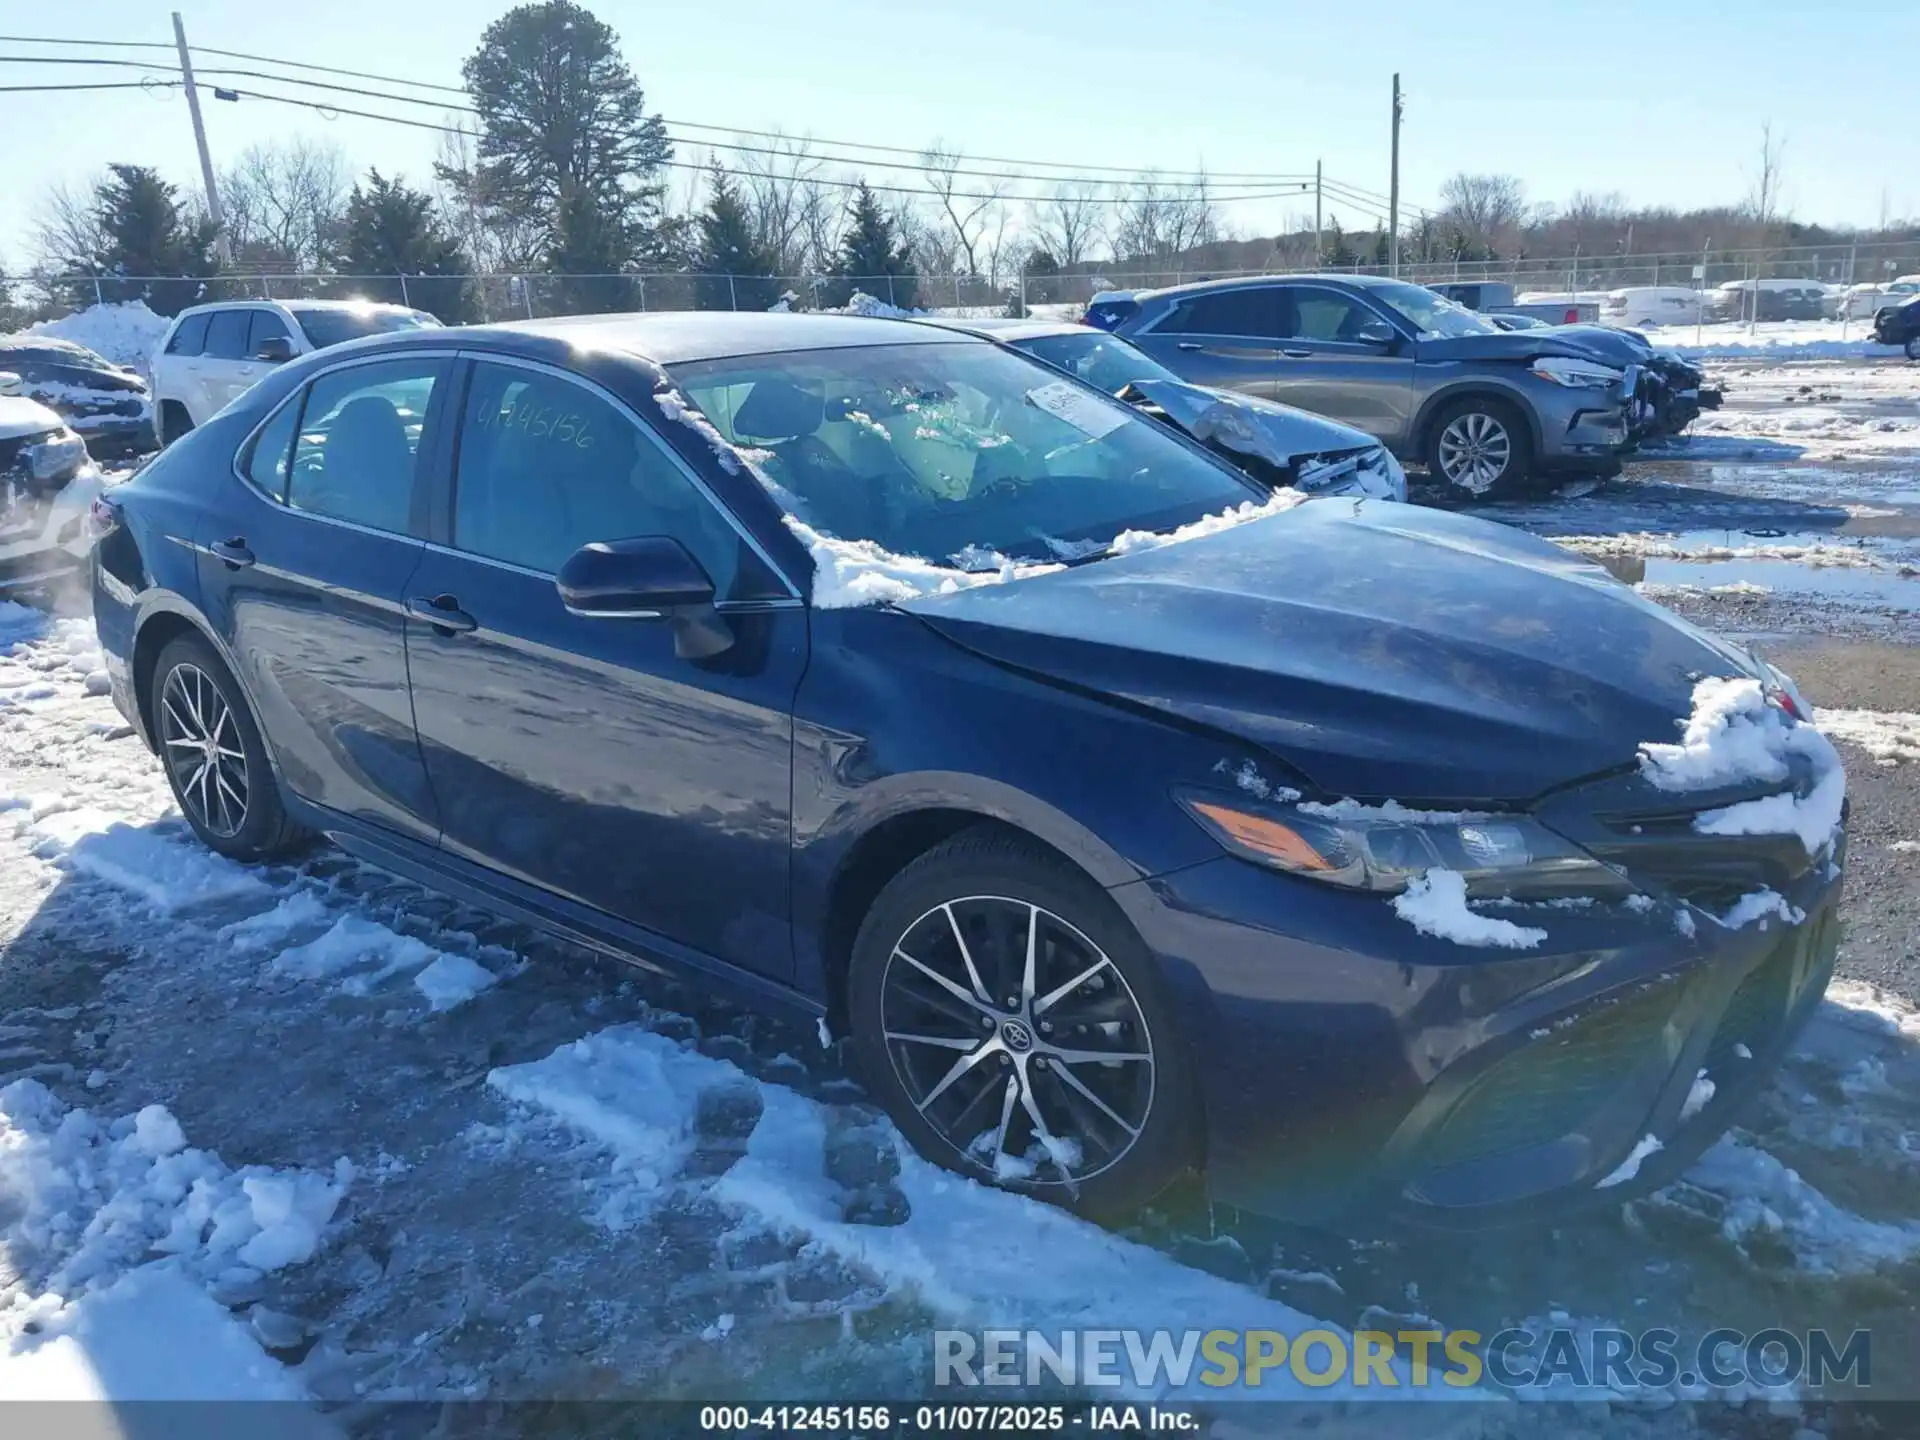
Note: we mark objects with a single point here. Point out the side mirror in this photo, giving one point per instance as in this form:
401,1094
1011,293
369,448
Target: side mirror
275,350
651,577
11,384
1377,332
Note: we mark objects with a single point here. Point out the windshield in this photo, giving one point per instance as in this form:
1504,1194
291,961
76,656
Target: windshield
1105,362
952,452
333,327
1432,314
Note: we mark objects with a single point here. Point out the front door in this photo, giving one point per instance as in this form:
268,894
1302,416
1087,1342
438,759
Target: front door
1228,339
583,755
226,368
1327,368
303,574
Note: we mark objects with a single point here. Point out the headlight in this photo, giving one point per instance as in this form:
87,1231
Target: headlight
1381,848
60,454
1576,374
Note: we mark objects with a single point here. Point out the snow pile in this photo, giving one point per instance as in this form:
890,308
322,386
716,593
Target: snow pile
1761,906
848,573
1765,1198
452,980
1658,547
363,954
1130,542
1776,340
1436,904
169,875
86,1201
1736,734
126,333
1630,1167
1890,736
964,1250
861,303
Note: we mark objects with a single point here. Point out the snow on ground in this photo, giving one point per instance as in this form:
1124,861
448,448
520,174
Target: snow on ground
1772,340
1890,737
126,333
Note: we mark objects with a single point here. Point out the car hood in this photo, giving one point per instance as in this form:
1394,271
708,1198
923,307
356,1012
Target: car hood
1577,342
1381,651
1263,430
21,416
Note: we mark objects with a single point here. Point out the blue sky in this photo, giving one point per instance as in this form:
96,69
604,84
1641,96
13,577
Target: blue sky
1663,102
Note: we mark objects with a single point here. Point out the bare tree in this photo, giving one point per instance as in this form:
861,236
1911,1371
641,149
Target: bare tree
285,202
966,202
1162,220
1594,223
66,226
1485,212
1071,222
1764,199
779,174
930,240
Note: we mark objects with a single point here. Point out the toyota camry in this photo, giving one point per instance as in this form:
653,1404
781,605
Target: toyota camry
1131,818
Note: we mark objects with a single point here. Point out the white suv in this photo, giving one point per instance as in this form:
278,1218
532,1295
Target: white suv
213,353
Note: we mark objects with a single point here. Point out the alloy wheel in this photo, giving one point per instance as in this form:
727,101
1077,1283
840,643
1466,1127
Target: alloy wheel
1475,451
201,743
1018,1040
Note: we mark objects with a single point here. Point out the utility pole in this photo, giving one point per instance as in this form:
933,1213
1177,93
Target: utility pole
1393,188
220,245
1318,251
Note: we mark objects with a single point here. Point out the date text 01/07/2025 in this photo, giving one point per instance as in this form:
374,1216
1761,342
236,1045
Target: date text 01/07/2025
880,1419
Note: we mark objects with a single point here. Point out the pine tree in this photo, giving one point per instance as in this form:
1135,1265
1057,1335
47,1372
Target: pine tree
1335,252
872,256
735,271
591,253
1041,273
144,234
391,230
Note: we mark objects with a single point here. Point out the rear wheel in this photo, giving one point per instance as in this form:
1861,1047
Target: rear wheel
1479,447
215,761
1913,347
174,422
1017,1030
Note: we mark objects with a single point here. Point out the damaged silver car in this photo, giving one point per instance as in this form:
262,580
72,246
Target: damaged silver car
1270,442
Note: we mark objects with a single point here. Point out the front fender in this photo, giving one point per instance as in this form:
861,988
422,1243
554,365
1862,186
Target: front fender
1509,389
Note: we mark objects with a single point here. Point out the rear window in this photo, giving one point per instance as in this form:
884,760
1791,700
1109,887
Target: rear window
190,336
335,327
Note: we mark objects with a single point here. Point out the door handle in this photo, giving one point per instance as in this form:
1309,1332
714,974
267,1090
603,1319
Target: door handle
1187,345
1296,354
233,552
443,612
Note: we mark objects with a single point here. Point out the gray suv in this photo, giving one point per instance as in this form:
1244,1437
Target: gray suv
1483,408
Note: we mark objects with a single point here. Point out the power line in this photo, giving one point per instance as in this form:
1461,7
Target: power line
110,44
150,84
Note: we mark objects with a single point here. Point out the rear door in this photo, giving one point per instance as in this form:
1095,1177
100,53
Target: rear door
177,373
1325,366
580,754
304,575
1228,339
224,370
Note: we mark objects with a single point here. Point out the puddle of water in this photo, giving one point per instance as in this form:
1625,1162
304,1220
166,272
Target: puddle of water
1880,587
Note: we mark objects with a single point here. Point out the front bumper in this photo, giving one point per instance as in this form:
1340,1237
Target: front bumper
1358,1072
46,538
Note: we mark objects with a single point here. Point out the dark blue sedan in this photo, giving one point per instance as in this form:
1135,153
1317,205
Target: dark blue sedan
883,675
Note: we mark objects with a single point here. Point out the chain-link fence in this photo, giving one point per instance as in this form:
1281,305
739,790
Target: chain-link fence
493,296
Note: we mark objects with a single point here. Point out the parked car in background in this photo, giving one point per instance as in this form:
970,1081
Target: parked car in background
214,353
1769,300
1900,325
1274,444
1095,866
1491,297
1863,302
107,405
47,485
1484,409
1653,305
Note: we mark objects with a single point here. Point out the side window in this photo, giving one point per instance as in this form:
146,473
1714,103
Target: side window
359,435
265,326
1257,313
547,466
191,336
227,335
266,462
1327,315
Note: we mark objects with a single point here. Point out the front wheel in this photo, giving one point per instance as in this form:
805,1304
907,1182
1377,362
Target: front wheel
1479,448
1913,347
215,760
1017,1030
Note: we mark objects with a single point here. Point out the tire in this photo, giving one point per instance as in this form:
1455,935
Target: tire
1102,1137
174,422
1913,347
228,792
1468,436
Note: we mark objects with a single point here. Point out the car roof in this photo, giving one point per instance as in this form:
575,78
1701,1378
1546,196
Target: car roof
1238,282
676,337
296,304
1005,327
